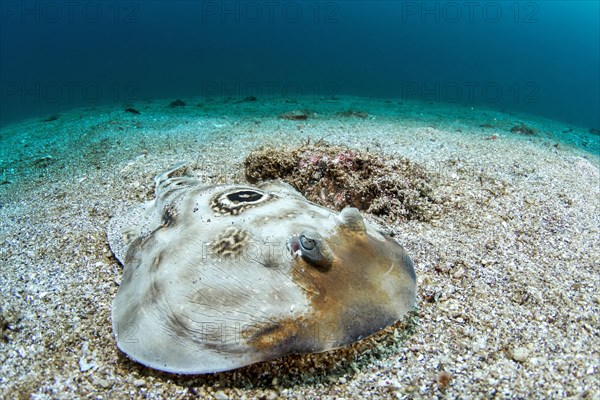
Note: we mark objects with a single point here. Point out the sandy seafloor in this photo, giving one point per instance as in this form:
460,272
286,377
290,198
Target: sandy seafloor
508,275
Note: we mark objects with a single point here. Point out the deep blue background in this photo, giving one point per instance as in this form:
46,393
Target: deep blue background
539,57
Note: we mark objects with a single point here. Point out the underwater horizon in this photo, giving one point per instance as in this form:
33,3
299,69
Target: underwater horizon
539,58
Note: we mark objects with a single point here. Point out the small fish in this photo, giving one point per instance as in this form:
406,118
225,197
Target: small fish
219,277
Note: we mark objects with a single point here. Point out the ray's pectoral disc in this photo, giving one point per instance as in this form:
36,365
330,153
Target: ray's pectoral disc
219,277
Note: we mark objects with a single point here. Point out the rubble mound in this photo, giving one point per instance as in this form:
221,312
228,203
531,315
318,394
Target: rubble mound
390,187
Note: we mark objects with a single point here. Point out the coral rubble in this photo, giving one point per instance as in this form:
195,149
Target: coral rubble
391,187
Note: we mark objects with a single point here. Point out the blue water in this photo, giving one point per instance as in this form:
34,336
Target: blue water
535,57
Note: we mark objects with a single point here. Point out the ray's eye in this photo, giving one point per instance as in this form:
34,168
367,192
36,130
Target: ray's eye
315,251
307,243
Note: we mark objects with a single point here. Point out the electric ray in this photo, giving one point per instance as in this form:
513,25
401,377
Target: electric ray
219,277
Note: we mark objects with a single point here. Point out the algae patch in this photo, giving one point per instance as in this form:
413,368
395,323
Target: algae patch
392,187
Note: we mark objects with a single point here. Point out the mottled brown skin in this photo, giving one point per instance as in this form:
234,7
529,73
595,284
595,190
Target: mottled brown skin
347,298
